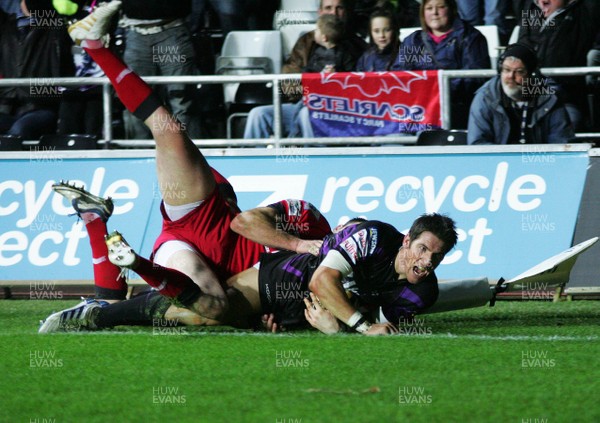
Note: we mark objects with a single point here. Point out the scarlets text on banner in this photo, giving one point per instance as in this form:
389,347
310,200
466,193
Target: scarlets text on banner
372,103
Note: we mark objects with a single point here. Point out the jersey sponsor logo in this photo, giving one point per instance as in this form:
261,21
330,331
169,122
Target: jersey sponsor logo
349,246
356,245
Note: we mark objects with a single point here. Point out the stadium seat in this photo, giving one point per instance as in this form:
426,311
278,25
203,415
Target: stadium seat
514,36
11,143
442,137
405,32
254,44
247,97
290,34
312,5
490,32
68,142
236,125
294,17
248,53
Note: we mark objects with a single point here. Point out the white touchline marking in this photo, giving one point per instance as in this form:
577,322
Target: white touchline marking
550,338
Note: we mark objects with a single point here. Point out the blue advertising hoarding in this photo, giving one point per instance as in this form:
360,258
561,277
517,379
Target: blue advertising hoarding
514,207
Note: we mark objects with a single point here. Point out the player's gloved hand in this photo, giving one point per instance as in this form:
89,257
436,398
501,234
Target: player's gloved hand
381,329
318,317
309,246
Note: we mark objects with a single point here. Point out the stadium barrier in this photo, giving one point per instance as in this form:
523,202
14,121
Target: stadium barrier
515,205
276,79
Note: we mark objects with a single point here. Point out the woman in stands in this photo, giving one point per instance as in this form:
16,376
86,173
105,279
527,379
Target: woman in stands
446,42
383,44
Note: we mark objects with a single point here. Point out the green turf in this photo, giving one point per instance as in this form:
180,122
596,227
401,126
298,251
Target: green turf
470,369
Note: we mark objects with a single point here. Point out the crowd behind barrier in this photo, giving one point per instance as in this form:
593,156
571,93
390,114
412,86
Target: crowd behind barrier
108,141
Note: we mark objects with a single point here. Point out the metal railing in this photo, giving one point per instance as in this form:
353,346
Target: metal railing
275,79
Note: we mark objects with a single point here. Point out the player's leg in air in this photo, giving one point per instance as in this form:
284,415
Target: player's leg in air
184,177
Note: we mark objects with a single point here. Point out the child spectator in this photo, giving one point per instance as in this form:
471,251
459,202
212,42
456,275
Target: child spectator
383,43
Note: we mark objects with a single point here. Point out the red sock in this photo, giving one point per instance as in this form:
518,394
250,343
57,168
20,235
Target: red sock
109,285
169,282
135,94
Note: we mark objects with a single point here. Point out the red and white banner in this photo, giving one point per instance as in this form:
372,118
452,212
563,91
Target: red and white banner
372,103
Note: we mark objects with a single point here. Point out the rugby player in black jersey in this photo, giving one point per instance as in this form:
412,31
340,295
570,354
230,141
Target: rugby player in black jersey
381,266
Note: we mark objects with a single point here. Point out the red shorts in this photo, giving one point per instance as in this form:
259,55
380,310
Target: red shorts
207,229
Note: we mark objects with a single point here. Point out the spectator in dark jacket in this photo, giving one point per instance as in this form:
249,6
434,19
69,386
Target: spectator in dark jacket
446,42
383,43
34,44
517,107
329,54
562,32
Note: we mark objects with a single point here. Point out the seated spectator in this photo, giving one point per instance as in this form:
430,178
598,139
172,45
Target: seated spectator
34,44
329,55
294,116
383,43
562,32
446,42
405,12
516,107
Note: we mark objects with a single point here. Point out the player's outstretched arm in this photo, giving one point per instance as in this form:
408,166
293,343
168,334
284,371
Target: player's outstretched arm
326,283
261,225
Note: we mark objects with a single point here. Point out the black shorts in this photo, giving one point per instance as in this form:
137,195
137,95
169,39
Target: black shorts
283,285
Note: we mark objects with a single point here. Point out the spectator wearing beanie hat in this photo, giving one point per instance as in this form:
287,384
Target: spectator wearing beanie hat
517,106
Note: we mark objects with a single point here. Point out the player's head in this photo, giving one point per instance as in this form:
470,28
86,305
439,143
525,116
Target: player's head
429,239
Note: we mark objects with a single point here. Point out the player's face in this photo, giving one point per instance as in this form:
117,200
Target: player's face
381,32
550,6
333,7
436,14
419,257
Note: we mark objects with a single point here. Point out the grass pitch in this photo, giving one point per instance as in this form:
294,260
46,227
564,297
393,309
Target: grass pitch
516,362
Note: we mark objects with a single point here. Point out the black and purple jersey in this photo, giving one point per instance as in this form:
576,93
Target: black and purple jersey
370,248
